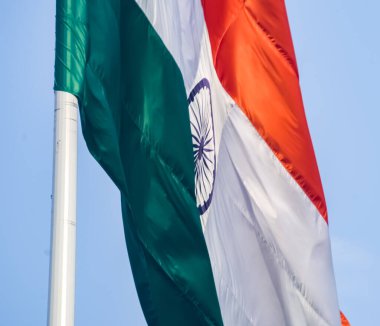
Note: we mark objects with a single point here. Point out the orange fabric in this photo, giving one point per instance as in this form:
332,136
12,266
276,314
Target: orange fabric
344,320
254,58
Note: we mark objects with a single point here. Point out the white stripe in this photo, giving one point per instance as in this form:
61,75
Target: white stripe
181,26
268,245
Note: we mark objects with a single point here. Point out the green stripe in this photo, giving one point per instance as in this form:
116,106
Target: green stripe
70,45
136,124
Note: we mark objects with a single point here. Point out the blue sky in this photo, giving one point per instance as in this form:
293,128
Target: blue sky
339,64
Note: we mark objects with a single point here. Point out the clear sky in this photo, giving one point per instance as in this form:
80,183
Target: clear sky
337,46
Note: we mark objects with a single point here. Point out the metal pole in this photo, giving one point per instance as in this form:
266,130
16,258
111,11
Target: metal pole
63,233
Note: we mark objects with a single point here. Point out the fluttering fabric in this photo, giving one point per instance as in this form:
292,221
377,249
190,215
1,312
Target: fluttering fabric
194,109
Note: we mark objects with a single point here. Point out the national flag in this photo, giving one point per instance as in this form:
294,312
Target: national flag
194,109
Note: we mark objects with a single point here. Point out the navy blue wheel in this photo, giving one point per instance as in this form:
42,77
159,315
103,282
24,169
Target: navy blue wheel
202,131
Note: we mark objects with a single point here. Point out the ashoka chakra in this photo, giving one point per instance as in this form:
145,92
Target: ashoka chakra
202,131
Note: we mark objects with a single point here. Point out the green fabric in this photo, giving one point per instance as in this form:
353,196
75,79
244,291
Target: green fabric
135,121
70,48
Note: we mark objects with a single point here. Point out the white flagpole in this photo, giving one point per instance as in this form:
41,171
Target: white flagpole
63,232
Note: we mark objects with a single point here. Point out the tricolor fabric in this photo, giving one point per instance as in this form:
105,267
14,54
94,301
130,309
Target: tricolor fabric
194,110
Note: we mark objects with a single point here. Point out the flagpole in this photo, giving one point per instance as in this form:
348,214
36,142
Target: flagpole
63,229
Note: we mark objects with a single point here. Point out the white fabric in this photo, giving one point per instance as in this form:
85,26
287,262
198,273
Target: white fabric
181,26
268,245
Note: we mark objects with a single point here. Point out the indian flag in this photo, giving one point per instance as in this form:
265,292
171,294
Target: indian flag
194,109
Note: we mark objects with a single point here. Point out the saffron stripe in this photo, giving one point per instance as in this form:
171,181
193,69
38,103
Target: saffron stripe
254,73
